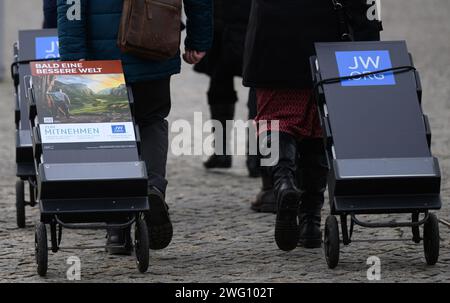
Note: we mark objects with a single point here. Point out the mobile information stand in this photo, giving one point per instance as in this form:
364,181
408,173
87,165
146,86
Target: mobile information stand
86,154
377,140
32,45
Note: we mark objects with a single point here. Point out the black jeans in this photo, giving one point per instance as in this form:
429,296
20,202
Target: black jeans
221,91
152,106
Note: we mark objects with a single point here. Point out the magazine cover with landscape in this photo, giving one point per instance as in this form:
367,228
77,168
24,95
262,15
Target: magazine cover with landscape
82,101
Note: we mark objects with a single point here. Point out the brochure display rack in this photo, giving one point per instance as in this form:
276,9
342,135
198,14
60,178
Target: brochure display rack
377,140
32,45
85,150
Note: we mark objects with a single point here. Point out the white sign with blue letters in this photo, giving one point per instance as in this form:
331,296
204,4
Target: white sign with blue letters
87,132
359,63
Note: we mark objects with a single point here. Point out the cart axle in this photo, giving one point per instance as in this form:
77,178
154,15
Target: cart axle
389,224
90,247
381,240
94,226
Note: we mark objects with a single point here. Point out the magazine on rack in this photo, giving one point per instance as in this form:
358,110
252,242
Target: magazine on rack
82,102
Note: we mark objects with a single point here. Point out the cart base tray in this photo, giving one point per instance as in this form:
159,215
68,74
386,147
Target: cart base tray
92,210
385,204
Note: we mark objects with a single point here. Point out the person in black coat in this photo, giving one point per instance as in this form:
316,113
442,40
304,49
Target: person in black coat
280,40
50,14
222,63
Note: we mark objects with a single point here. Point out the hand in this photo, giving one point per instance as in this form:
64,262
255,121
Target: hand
193,56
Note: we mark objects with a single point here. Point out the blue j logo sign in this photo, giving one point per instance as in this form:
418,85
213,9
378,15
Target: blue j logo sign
47,48
118,129
359,63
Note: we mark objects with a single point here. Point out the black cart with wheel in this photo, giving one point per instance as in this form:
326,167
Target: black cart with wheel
84,181
32,45
378,142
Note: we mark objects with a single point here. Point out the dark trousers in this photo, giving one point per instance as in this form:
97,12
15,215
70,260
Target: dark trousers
50,14
221,89
251,104
152,106
221,92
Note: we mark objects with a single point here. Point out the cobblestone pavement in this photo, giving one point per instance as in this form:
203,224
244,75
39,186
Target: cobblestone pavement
217,237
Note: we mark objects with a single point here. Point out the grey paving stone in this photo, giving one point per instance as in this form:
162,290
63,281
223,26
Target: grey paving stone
217,237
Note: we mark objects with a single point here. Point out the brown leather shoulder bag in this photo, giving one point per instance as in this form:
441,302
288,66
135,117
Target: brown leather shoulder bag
150,29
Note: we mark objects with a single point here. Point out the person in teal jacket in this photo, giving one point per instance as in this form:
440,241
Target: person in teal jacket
94,37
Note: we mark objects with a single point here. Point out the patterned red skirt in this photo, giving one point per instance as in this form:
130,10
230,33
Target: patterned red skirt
295,110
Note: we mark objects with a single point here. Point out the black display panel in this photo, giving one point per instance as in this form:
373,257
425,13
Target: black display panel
372,117
38,44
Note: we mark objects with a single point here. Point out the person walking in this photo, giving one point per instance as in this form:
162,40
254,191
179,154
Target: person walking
2,35
280,40
94,37
222,64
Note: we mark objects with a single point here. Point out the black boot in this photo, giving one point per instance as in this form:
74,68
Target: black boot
160,228
118,241
265,200
312,178
288,196
253,166
220,159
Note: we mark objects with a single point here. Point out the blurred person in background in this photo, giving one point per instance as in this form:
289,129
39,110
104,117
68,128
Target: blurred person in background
94,37
2,25
222,64
280,40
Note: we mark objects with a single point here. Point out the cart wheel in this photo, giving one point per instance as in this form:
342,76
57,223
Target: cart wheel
141,245
41,249
20,204
431,239
331,242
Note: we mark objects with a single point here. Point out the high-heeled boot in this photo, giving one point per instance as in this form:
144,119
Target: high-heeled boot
286,191
312,179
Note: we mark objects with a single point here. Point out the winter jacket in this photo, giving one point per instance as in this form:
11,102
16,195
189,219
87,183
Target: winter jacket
94,37
281,36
